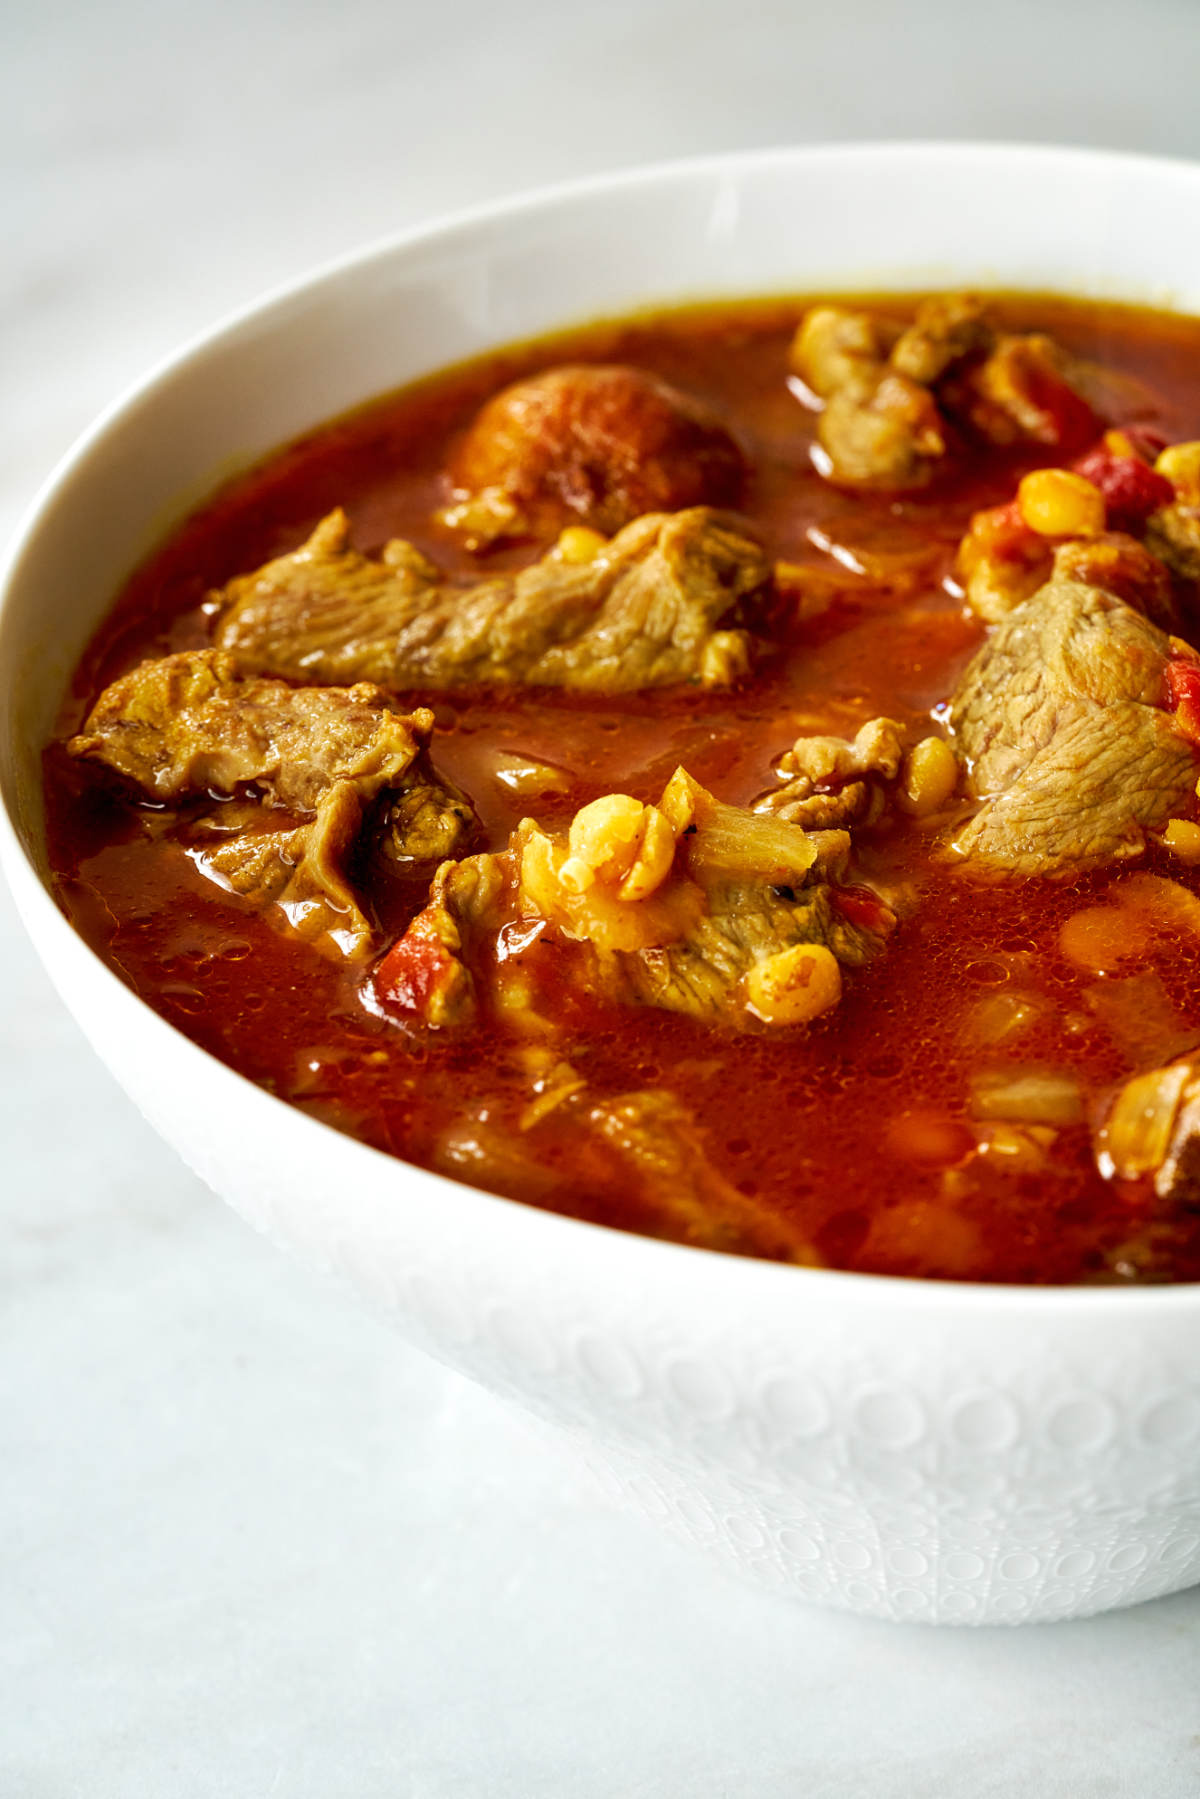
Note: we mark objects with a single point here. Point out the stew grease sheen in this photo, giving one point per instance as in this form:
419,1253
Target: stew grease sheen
944,1045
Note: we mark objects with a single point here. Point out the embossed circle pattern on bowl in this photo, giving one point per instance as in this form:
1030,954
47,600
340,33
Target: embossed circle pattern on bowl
912,1450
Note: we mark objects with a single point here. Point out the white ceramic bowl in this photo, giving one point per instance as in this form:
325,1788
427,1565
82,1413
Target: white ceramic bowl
914,1450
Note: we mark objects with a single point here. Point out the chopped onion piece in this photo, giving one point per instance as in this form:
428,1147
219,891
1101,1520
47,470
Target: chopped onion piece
1169,906
728,843
1099,939
1137,1135
1000,1017
1138,1015
524,775
1032,1096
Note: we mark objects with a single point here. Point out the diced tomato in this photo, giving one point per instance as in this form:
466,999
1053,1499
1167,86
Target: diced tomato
1001,531
1183,695
1142,440
412,971
864,908
1067,419
1131,489
1000,534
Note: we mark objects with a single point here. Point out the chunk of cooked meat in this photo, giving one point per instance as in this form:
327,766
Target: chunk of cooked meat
419,825
1026,390
1152,1131
838,783
1061,718
831,782
692,906
1173,535
1123,567
1102,521
660,1146
594,445
301,870
877,427
334,759
645,1140
895,401
188,724
945,330
655,607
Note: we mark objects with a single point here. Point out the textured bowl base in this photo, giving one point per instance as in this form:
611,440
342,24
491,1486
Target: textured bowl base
925,1571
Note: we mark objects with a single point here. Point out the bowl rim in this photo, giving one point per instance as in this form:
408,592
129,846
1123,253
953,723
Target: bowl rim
936,1297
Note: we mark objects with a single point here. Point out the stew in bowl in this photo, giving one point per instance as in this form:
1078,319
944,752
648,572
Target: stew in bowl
729,774
678,840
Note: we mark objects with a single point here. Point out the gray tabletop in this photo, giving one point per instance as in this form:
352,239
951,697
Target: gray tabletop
249,1542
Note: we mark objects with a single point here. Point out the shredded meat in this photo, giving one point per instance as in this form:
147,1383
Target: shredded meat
653,608
327,761
894,402
1072,755
594,445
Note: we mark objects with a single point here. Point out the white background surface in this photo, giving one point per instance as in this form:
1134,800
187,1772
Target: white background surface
249,1543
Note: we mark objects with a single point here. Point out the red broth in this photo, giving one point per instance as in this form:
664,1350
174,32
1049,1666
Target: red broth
858,1128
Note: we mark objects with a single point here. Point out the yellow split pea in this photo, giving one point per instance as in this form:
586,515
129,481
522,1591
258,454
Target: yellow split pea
929,776
620,843
1056,502
795,985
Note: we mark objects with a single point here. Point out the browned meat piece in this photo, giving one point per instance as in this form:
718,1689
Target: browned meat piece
829,781
597,446
835,783
878,427
328,757
1152,1131
653,608
686,1197
420,825
301,870
1173,535
1123,567
692,906
647,1140
1060,717
894,400
187,724
944,331
892,438
1027,390
1002,564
